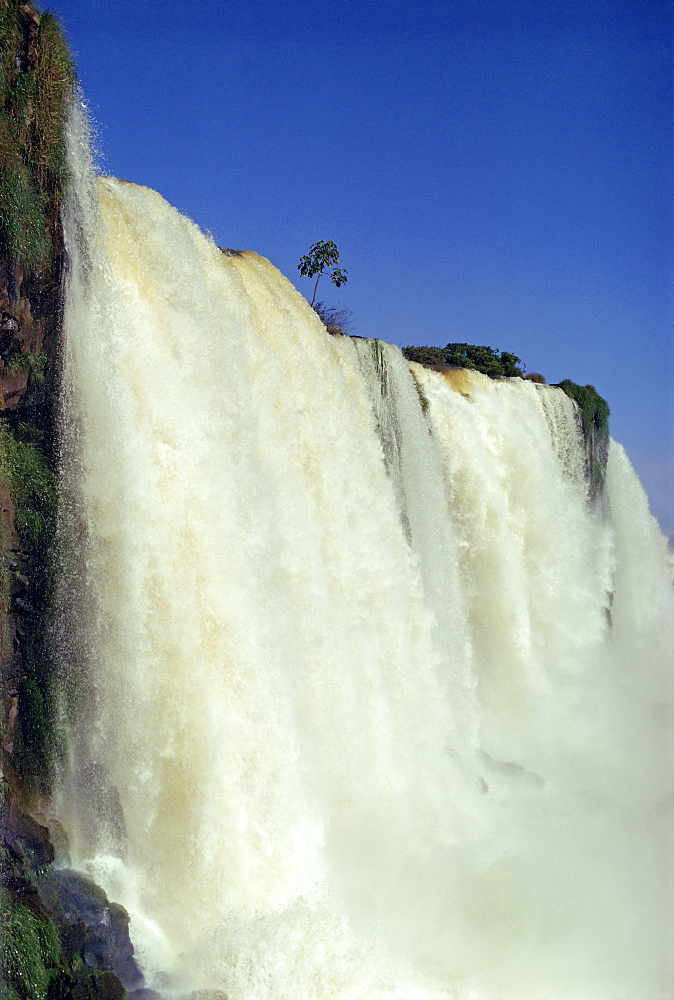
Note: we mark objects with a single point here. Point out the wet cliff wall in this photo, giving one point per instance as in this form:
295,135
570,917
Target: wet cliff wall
59,935
36,84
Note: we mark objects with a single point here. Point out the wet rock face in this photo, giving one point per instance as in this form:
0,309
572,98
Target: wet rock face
62,938
36,86
91,956
28,304
27,840
91,927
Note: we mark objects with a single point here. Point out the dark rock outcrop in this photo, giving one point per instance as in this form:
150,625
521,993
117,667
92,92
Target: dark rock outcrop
61,932
91,928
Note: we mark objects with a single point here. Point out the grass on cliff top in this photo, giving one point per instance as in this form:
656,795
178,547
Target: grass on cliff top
37,76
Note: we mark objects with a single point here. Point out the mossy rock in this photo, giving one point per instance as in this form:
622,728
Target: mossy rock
32,488
90,985
30,958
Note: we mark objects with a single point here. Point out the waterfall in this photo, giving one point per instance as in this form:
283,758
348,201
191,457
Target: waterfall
368,698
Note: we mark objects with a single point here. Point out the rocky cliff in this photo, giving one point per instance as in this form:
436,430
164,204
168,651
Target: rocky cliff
61,937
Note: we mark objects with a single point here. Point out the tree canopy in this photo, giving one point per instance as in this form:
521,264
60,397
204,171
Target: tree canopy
321,255
482,359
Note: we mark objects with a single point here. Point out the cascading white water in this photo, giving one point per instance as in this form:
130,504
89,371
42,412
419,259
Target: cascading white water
375,702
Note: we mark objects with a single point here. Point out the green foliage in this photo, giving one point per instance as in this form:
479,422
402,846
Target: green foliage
425,355
7,992
30,953
34,364
594,414
32,487
36,80
23,221
481,359
535,377
321,255
334,320
594,410
41,743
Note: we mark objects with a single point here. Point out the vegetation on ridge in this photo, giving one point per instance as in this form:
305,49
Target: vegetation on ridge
594,410
594,413
334,320
478,358
37,75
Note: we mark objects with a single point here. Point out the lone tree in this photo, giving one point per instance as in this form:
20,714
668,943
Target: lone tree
321,255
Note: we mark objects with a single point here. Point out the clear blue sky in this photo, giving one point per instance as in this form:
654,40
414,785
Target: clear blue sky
493,171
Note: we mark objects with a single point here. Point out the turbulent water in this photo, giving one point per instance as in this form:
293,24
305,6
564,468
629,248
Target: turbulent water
371,701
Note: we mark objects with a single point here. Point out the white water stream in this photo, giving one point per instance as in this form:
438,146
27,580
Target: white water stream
372,702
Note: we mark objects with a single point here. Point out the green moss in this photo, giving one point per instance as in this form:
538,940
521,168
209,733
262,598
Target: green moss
40,741
37,77
5,797
36,83
7,992
23,221
11,36
594,410
28,432
32,487
30,954
34,364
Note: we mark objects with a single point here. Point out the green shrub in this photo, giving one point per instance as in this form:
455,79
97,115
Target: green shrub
34,364
594,410
32,487
37,79
425,355
334,320
594,414
478,358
